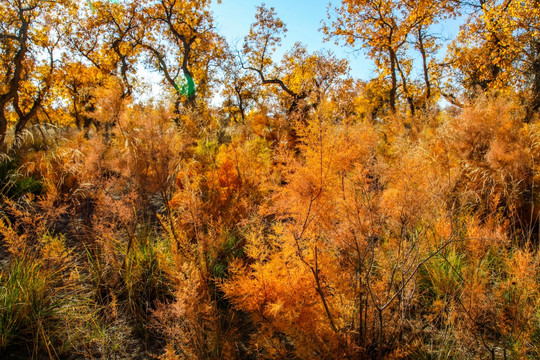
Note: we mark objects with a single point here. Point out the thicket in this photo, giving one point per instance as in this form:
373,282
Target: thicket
362,240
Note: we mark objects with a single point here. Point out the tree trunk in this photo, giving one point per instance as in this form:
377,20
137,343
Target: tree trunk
3,130
410,99
424,66
535,101
393,89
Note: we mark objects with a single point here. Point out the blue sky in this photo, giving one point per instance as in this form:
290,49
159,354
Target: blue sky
303,20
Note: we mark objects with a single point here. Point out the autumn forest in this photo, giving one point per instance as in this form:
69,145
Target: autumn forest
265,203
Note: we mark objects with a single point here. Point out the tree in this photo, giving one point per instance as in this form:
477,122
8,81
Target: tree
120,31
385,29
183,46
78,84
498,48
473,54
422,16
240,89
314,76
260,44
379,26
302,77
105,44
30,32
